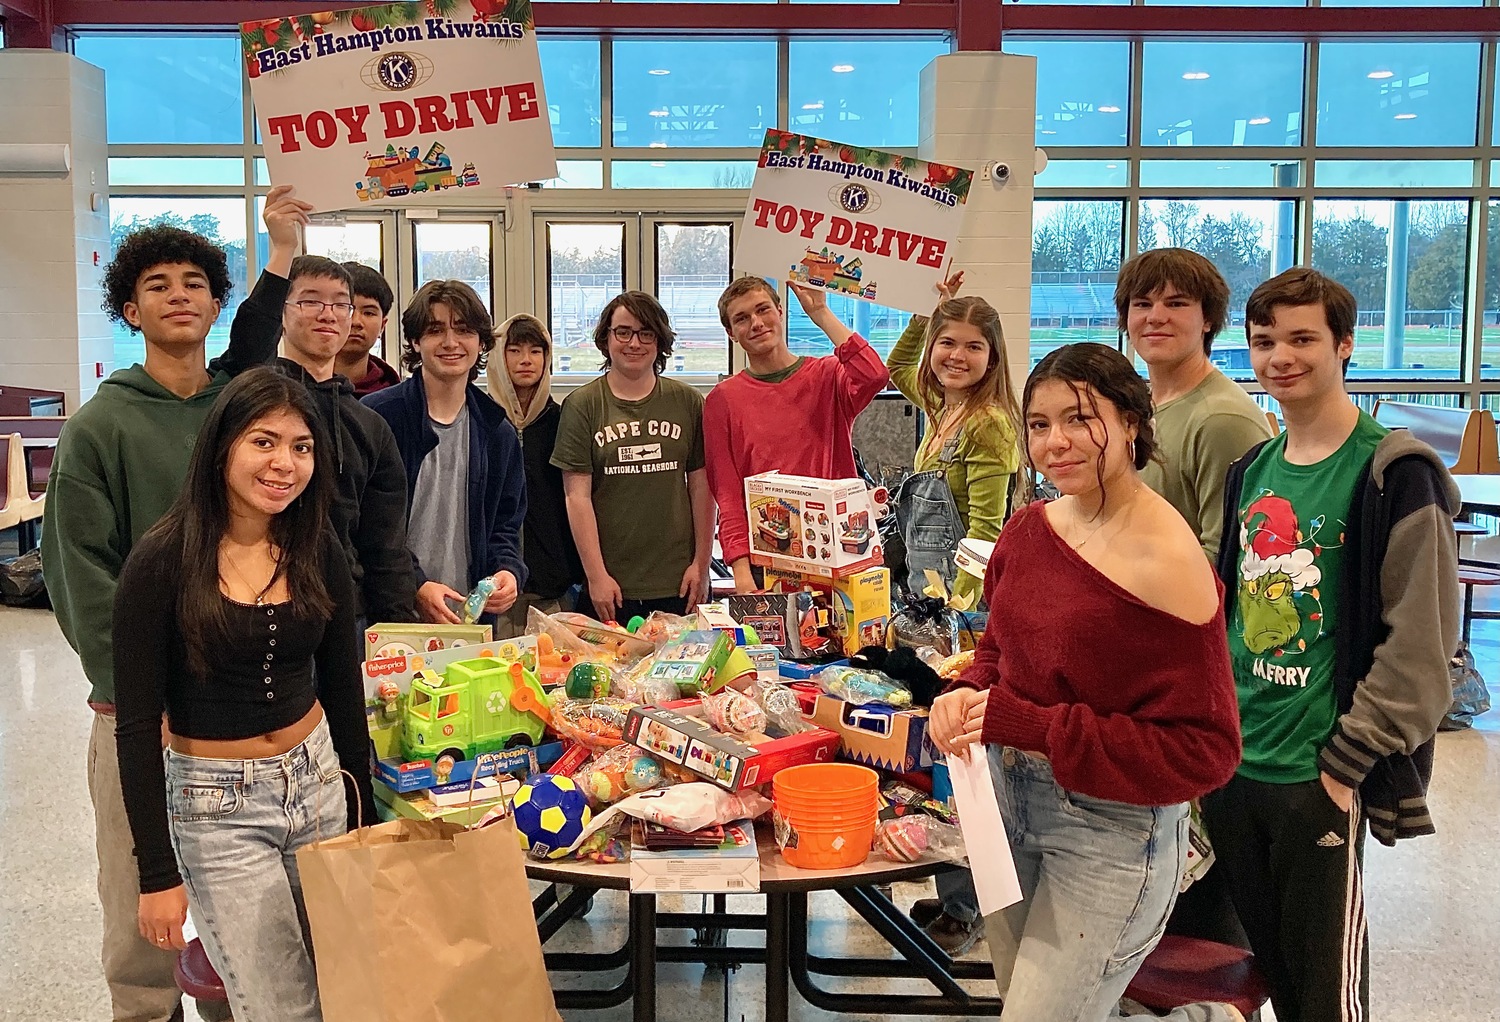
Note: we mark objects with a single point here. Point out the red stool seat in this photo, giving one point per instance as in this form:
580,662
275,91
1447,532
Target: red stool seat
1186,970
195,975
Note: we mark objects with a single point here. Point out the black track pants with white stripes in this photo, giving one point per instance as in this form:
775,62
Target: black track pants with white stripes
1294,861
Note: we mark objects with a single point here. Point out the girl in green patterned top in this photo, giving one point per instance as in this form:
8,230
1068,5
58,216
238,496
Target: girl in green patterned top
953,367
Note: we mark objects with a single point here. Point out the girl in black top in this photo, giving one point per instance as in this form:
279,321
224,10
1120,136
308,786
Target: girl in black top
224,609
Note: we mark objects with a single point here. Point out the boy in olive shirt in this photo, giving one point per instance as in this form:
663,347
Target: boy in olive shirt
1341,588
630,445
1173,303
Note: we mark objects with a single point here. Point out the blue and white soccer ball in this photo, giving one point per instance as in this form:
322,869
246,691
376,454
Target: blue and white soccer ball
550,813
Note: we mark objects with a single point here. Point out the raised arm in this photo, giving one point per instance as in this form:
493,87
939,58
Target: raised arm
256,329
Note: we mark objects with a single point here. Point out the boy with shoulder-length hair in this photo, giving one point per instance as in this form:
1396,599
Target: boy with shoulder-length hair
782,412
465,475
1340,571
369,506
357,360
121,461
1172,303
630,447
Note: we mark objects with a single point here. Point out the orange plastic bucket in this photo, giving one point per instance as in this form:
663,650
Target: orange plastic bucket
825,814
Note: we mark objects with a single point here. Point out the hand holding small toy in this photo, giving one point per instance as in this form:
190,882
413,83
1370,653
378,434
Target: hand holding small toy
504,595
432,603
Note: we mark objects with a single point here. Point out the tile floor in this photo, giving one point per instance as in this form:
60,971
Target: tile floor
1434,905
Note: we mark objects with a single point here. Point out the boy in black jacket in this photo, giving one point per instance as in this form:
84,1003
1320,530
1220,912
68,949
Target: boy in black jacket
369,508
522,383
1340,573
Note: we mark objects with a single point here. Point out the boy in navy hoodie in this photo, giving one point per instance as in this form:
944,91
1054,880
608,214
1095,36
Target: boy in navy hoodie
464,469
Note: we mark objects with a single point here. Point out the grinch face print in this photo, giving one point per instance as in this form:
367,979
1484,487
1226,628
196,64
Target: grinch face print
1281,609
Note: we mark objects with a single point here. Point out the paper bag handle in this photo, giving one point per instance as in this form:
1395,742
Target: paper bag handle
359,804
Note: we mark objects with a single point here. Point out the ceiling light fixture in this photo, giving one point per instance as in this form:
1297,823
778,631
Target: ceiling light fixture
1406,117
657,145
1260,120
659,113
1194,76
813,106
658,71
1381,74
842,68
1109,109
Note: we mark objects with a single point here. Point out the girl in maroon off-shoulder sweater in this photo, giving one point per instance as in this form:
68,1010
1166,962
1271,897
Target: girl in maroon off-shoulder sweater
1102,693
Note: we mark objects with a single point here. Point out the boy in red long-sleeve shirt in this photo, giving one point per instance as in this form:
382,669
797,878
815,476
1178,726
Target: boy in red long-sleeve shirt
783,412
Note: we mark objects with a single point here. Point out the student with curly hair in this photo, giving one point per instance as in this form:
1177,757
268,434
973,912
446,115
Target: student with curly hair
630,446
121,460
466,481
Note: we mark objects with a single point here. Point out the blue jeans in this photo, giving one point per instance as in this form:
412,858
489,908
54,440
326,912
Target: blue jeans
1098,879
236,828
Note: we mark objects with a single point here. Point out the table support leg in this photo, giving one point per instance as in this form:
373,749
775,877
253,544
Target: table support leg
643,955
778,938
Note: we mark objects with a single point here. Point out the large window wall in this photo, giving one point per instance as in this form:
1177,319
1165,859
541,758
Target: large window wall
684,116
1371,161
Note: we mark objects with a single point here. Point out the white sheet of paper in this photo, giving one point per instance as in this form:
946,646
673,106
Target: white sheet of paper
985,840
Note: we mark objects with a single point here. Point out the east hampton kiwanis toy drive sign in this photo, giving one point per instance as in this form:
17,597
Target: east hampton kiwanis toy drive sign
860,222
389,105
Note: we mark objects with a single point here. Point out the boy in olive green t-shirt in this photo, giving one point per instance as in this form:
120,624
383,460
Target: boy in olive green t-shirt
630,445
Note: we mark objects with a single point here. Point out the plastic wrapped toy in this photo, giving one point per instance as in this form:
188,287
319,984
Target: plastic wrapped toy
734,712
598,725
861,687
475,601
615,773
925,621
388,693
783,710
909,838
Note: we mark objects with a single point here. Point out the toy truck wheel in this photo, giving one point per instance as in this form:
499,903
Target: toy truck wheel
522,741
452,756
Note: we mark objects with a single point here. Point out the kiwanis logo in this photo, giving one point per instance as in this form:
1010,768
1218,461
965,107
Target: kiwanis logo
854,197
397,71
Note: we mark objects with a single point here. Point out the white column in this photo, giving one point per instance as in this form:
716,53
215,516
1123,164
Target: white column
979,108
53,333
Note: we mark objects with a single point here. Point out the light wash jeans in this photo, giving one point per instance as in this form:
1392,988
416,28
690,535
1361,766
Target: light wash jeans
1098,879
236,828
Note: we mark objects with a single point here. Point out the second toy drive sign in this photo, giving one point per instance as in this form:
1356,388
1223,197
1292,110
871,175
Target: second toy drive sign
393,104
861,222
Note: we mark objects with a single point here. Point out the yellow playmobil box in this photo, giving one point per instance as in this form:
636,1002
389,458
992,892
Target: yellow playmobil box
391,640
860,603
819,527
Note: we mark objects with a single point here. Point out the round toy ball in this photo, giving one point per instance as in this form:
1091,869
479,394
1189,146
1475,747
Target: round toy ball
904,839
550,813
606,785
587,681
642,773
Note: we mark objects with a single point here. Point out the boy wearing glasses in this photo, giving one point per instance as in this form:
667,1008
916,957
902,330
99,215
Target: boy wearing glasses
630,446
120,463
369,507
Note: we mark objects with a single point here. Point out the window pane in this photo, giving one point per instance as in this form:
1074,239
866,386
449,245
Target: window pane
1423,244
1249,240
692,269
1221,173
1222,94
577,174
1082,91
1490,353
1086,174
694,93
1379,94
357,241
191,171
570,76
877,324
453,250
1394,173
585,269
863,92
1231,3
1075,257
221,221
682,174
150,76
1367,401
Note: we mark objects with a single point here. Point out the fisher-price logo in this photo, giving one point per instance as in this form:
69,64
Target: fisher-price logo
390,665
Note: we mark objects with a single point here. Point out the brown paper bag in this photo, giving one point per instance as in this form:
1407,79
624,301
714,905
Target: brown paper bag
417,921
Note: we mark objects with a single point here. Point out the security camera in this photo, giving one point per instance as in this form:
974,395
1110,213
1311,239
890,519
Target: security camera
1002,172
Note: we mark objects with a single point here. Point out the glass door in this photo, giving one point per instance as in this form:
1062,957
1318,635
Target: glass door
683,260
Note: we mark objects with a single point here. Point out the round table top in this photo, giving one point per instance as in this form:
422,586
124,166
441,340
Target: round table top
775,874
1481,493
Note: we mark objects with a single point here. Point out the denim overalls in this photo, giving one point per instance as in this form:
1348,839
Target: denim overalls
930,522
